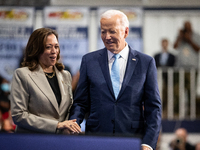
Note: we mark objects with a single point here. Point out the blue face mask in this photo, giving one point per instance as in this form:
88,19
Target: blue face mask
5,87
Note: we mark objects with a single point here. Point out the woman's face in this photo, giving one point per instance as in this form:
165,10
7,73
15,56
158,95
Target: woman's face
51,51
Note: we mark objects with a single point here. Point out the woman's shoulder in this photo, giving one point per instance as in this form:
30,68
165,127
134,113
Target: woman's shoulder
23,70
66,75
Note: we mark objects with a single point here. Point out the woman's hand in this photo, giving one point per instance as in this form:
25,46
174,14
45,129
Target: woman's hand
70,125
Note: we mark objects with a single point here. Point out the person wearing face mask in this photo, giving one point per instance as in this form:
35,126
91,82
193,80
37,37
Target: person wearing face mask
5,87
118,87
41,92
6,120
4,93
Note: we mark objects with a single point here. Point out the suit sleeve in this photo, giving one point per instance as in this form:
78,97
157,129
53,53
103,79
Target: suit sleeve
19,107
152,107
81,100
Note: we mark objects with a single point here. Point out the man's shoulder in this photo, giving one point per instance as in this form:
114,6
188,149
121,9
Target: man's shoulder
94,54
140,54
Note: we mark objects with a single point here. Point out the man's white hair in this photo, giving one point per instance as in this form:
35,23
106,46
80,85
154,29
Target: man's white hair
123,18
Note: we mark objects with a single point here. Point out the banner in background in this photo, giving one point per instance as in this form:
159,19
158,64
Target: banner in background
135,17
16,25
71,24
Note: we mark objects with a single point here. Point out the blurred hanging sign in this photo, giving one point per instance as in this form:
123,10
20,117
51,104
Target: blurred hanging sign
71,24
135,17
16,25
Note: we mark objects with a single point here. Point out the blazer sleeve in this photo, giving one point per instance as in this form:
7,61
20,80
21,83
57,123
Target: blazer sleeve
19,107
69,79
152,107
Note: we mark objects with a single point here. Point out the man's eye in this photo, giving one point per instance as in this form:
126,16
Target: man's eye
112,32
56,47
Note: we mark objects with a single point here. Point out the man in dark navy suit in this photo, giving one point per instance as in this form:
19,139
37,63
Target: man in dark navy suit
118,86
164,58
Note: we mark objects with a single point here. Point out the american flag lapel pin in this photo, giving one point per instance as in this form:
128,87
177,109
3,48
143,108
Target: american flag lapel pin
133,59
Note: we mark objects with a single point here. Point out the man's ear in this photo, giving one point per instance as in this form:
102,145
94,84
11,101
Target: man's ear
126,32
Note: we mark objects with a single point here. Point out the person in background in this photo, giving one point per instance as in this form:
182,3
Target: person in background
75,78
7,124
41,92
4,96
188,45
164,59
180,142
115,84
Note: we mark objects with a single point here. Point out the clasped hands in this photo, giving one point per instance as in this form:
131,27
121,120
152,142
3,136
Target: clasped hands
69,127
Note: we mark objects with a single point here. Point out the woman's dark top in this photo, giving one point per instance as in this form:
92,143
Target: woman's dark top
54,86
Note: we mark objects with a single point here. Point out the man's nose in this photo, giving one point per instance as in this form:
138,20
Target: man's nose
107,35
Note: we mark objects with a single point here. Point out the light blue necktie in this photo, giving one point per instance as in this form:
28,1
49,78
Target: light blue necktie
115,76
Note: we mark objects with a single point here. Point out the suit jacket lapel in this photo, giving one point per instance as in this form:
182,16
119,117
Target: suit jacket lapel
42,83
130,67
64,90
103,61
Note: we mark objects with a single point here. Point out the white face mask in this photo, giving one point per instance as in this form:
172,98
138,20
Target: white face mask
5,87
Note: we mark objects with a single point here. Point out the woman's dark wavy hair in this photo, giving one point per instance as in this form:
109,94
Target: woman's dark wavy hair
36,46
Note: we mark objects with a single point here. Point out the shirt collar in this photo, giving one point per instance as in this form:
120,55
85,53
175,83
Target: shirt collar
123,53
